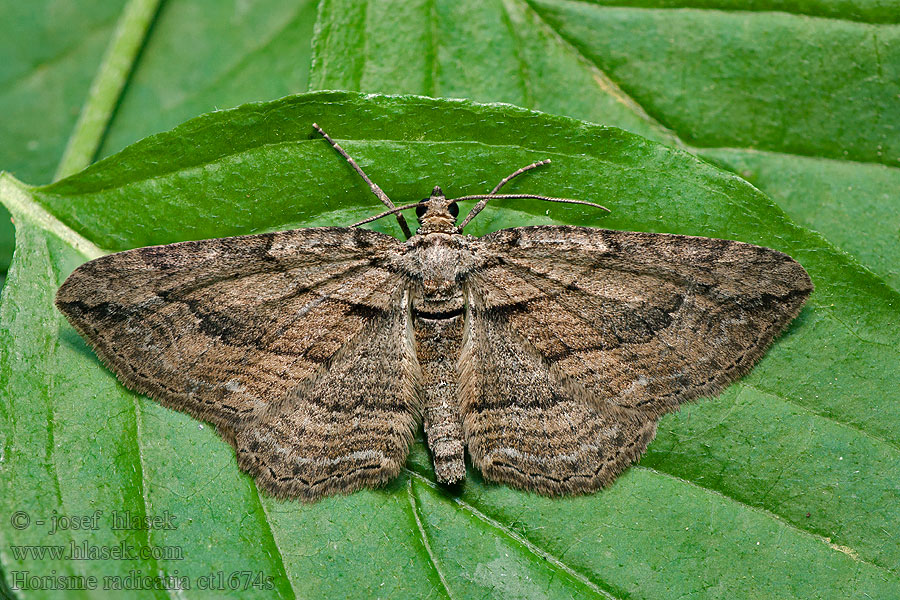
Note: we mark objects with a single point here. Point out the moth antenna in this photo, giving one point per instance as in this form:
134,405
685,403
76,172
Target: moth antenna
478,207
379,193
486,197
518,172
393,211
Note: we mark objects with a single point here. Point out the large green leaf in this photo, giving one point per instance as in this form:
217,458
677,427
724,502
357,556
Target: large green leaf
806,108
793,470
818,96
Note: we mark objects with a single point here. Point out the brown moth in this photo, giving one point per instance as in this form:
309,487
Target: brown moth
549,353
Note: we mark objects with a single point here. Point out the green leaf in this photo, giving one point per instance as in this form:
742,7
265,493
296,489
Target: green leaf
203,56
807,107
50,51
792,470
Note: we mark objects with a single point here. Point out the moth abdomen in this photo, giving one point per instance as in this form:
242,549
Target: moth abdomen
438,345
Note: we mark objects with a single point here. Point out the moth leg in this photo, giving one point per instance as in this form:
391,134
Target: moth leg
379,193
438,343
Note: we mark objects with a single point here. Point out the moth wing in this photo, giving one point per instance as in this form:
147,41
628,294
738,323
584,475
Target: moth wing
525,427
633,323
347,426
231,330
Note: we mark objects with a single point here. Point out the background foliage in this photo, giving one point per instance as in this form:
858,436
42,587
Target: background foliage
786,485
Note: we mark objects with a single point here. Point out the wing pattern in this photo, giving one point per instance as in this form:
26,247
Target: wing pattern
300,346
232,330
601,332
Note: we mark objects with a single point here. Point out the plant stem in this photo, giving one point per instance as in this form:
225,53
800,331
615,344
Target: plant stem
116,66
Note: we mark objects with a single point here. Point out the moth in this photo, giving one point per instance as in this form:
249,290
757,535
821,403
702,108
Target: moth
548,352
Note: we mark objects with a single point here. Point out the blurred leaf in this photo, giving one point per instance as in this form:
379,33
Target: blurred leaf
793,470
201,55
50,51
205,55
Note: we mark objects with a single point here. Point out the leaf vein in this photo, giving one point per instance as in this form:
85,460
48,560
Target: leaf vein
733,10
278,552
414,511
606,83
619,92
141,477
765,512
521,540
891,444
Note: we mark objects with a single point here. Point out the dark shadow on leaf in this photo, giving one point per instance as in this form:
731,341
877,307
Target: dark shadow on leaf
70,338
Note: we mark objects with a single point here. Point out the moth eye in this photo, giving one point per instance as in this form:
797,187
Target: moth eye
420,210
454,210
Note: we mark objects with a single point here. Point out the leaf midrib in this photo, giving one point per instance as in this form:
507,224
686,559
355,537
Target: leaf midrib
273,541
145,504
414,513
521,540
361,142
17,199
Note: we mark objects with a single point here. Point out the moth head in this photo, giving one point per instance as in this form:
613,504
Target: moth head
437,213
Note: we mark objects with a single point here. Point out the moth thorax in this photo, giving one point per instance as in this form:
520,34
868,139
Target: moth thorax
440,261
